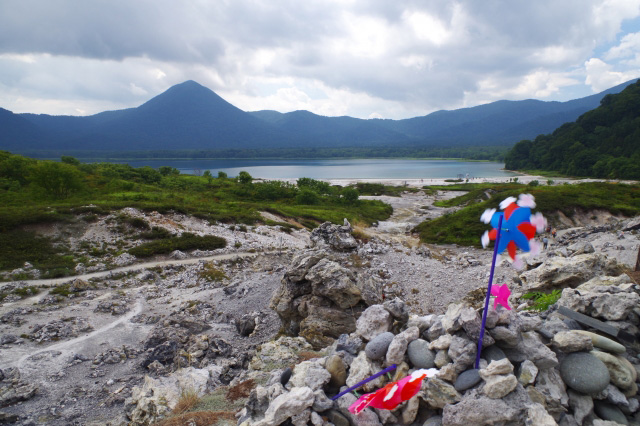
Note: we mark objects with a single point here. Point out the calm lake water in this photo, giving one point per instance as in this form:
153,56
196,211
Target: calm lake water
337,169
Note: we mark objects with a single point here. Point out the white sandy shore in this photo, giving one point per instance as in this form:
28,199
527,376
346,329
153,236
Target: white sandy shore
422,182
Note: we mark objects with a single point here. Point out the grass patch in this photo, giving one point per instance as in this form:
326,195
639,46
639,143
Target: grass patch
188,400
542,301
211,273
17,247
366,188
184,242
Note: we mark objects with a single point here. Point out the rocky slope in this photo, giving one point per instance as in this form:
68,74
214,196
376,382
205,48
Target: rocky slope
122,345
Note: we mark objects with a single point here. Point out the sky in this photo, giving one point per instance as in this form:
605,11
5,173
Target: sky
362,58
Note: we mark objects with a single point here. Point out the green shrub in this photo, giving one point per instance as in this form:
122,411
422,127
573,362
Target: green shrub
307,197
184,242
542,301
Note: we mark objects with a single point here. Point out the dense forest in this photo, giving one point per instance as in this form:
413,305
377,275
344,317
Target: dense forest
602,143
489,153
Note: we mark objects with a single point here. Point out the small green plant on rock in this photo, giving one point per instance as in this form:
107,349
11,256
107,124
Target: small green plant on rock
542,301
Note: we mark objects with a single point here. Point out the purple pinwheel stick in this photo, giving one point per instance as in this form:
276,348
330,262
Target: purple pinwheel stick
486,302
365,381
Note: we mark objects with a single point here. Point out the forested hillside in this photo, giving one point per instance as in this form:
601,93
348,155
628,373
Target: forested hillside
602,143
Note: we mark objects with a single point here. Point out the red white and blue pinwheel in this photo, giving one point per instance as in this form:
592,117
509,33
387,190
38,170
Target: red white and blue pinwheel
518,228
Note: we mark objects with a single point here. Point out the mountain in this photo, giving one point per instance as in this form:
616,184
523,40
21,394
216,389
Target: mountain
186,116
189,116
602,143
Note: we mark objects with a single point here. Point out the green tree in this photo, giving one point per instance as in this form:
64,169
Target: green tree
350,195
58,179
244,177
70,160
208,175
307,196
168,171
222,175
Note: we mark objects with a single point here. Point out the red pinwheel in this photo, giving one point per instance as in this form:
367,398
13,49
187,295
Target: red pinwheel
393,394
518,226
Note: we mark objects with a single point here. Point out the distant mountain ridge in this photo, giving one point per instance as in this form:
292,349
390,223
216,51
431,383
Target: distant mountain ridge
602,143
189,116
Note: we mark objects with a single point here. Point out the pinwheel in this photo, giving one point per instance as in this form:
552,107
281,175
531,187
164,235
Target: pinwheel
393,394
518,228
513,228
501,293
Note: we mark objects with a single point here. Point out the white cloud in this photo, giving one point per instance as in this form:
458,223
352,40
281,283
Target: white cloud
600,75
396,59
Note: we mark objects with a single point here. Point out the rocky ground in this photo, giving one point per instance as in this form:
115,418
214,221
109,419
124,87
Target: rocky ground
80,355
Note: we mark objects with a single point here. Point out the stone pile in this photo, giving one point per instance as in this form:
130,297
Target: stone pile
536,369
320,298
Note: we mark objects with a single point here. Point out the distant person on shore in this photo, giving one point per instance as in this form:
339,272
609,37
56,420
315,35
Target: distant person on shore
554,232
545,243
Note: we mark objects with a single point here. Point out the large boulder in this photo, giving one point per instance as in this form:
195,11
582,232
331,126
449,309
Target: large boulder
557,272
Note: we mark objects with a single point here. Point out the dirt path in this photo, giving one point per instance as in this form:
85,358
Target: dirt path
134,267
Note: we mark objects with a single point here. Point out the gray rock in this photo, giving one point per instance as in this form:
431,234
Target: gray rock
620,375
420,355
470,321
572,341
584,372
499,386
360,369
377,348
286,375
610,412
477,409
433,421
450,321
336,418
614,396
467,380
398,346
603,342
462,352
502,366
352,345
331,280
492,353
558,272
373,321
287,405
436,330
538,416
528,373
336,368
550,384
442,358
601,304
334,236
439,393
532,348
310,374
321,401
397,309
582,405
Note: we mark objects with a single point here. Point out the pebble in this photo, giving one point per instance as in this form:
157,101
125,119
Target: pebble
603,342
607,411
584,372
285,376
493,353
467,380
433,421
377,347
420,355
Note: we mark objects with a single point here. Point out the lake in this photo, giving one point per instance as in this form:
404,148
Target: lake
337,169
